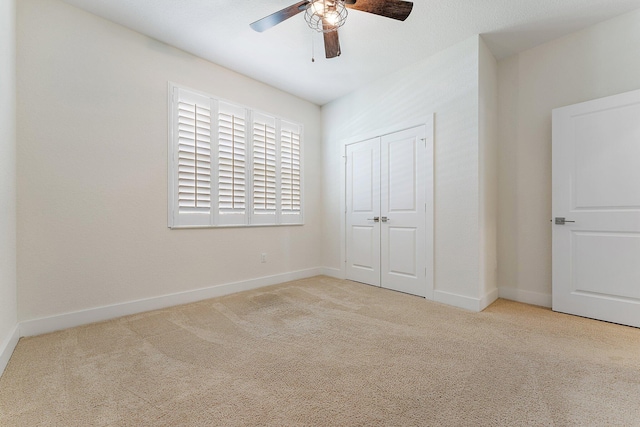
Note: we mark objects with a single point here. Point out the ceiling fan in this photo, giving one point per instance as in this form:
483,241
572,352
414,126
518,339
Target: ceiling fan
327,15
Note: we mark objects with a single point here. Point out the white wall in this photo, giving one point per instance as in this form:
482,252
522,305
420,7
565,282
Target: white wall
92,170
8,317
447,85
599,61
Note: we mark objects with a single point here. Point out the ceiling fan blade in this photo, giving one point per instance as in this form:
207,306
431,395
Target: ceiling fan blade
394,9
275,18
331,42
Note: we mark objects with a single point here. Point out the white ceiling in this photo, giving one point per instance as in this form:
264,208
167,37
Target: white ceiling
372,46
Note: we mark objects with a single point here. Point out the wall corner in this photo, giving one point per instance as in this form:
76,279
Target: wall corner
487,171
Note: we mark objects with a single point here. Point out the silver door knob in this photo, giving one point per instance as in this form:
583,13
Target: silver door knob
374,219
385,219
561,221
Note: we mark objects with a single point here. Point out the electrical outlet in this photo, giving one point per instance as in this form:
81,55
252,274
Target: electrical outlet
263,257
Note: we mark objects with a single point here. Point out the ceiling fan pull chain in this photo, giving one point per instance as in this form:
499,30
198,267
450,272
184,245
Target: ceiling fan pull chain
313,50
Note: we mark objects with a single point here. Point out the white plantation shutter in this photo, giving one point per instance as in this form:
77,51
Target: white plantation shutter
192,159
232,164
264,165
290,173
229,165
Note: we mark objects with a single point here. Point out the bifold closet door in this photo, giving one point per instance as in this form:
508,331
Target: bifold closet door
385,218
363,212
402,214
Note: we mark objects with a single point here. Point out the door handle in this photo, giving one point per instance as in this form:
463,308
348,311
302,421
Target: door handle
374,219
385,219
561,221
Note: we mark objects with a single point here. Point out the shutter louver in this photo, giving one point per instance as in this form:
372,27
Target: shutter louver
194,158
264,165
232,161
290,188
190,151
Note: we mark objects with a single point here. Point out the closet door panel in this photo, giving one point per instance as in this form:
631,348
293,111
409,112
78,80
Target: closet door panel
403,207
363,206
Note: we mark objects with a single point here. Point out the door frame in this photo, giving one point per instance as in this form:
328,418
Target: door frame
429,124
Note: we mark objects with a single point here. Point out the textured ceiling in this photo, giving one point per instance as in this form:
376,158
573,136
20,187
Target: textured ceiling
372,46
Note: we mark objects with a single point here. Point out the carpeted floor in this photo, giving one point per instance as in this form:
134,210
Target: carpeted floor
327,352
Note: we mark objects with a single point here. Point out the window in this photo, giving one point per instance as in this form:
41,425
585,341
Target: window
230,165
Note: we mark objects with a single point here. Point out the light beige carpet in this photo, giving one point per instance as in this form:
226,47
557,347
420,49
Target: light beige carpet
326,352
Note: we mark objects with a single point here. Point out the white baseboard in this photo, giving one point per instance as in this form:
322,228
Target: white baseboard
7,346
460,301
488,299
527,297
333,272
98,314
468,303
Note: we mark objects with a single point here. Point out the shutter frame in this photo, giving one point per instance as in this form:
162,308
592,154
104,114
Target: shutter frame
233,164
291,185
264,168
190,145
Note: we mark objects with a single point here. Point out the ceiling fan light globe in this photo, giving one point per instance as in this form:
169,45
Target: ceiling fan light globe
325,15
332,18
318,7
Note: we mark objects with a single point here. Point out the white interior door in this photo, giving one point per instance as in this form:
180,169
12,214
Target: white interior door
387,211
363,212
403,208
596,183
